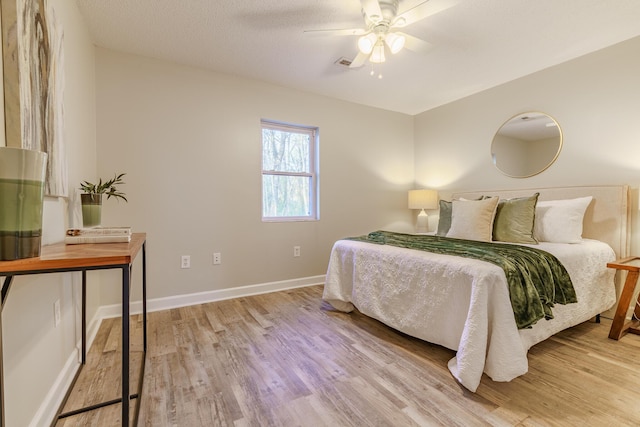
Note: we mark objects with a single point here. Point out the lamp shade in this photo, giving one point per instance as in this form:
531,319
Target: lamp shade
423,199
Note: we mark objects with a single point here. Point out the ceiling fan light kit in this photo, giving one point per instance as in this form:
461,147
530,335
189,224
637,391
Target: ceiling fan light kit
366,43
373,45
377,55
395,42
382,24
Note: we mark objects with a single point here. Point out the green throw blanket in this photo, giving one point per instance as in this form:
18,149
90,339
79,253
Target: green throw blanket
536,279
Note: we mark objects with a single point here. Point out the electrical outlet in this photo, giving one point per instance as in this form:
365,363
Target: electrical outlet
56,313
217,258
296,251
186,261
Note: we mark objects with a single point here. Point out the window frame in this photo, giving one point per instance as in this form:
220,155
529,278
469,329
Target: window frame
314,190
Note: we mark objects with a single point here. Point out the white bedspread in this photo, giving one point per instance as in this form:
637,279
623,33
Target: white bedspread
461,303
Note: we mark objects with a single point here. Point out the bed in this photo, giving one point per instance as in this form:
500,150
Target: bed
463,304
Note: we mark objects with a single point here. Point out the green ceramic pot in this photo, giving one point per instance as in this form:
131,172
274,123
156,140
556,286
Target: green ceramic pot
22,175
91,209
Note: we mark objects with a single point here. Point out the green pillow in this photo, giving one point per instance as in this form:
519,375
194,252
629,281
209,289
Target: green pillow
444,223
515,220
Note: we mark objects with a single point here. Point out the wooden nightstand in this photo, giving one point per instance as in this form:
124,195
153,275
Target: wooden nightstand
621,325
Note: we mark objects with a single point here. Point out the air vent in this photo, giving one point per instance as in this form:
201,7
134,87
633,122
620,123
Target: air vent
344,62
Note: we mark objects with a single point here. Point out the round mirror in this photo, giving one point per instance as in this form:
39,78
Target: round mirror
526,144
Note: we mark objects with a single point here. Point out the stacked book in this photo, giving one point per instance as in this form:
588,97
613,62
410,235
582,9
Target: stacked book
76,236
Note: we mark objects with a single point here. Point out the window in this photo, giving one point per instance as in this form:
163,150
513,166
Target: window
289,172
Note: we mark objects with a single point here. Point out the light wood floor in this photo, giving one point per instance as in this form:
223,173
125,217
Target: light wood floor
288,359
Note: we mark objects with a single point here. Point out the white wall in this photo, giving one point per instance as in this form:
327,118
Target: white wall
190,143
595,99
35,352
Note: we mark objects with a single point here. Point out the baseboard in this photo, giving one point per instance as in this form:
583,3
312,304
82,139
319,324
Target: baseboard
51,403
166,303
57,392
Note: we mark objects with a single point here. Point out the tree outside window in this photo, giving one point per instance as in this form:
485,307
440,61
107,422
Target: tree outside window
289,172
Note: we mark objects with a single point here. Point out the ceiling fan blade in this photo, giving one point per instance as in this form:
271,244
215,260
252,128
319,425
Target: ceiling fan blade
359,60
333,32
423,10
415,44
372,9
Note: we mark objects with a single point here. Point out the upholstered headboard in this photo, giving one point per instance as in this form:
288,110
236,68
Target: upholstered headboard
607,218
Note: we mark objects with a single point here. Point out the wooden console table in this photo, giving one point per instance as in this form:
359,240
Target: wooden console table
620,324
64,258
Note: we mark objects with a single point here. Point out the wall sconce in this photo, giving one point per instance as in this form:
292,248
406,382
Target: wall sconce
423,199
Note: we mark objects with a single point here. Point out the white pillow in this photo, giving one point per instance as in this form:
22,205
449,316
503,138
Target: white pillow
473,219
560,221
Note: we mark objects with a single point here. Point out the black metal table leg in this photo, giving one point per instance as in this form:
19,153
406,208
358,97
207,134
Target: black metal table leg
89,261
144,296
5,288
125,345
6,285
84,316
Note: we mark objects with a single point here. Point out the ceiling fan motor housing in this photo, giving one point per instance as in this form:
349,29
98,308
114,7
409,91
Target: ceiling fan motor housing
389,9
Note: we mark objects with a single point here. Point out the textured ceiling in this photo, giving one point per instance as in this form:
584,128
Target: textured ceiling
477,44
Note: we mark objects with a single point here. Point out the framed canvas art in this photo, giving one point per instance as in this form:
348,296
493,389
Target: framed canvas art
34,84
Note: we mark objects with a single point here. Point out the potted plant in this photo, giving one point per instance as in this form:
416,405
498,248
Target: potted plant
91,199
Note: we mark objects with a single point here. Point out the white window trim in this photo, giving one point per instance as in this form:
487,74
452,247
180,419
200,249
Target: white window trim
314,190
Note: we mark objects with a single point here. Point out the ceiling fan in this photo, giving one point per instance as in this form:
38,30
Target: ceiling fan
382,25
